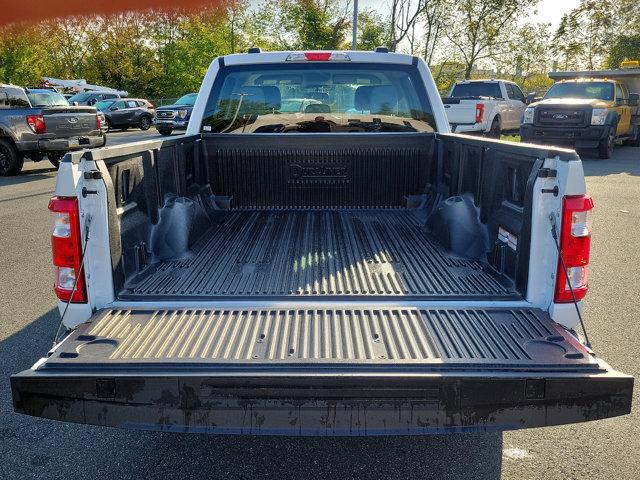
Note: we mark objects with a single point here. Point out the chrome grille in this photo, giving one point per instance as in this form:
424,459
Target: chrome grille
165,114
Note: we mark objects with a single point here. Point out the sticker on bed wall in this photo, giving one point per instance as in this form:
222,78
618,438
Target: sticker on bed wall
510,239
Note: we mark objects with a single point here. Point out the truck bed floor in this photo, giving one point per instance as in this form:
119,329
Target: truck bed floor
313,337
300,253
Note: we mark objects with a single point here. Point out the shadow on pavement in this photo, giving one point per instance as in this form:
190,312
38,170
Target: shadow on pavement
37,448
625,160
30,175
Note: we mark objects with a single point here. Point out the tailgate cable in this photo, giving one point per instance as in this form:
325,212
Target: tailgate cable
75,283
554,234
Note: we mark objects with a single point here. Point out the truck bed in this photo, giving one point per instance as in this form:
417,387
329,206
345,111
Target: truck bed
284,253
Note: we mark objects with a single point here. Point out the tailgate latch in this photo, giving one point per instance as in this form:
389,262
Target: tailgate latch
535,388
105,388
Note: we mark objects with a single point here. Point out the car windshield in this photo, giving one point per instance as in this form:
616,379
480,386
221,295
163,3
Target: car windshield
586,90
188,99
46,98
104,104
476,89
318,98
80,97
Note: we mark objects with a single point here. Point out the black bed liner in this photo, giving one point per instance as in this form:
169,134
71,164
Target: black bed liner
322,371
365,252
314,336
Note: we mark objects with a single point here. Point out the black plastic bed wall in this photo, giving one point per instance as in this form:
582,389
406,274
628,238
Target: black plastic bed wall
358,171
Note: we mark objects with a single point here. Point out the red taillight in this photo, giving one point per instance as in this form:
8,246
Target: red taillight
318,56
36,122
575,245
479,112
98,122
67,250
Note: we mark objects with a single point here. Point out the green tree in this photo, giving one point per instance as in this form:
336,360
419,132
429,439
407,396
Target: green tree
625,47
120,54
566,47
309,24
24,57
433,20
446,73
67,40
372,30
528,53
198,40
585,34
480,29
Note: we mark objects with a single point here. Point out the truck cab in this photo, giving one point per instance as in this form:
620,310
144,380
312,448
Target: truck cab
585,112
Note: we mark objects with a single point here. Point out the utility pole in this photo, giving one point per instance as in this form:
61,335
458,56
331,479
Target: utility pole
354,42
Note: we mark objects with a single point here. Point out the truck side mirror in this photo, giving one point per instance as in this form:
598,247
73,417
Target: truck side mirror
633,99
530,98
75,104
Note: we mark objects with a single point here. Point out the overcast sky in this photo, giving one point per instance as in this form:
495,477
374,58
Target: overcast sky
548,10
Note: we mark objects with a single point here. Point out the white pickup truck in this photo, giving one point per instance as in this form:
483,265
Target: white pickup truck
489,107
350,269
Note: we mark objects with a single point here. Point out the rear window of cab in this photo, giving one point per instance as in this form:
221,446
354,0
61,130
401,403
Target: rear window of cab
318,98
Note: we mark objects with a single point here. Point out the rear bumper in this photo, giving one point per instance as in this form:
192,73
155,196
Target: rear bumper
469,128
254,402
69,144
580,137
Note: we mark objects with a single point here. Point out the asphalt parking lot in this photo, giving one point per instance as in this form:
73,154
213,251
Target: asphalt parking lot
35,448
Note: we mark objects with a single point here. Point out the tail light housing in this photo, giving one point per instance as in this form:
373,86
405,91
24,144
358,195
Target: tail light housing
66,245
98,121
575,247
36,123
479,112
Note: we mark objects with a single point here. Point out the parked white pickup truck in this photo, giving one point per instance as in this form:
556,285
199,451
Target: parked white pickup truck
489,107
350,269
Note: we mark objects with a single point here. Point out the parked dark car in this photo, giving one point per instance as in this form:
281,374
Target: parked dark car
124,113
91,98
176,116
39,123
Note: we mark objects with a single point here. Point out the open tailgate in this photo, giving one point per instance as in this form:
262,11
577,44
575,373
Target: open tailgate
322,371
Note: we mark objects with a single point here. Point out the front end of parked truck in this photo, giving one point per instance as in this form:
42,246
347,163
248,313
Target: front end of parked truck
349,269
584,113
578,124
171,118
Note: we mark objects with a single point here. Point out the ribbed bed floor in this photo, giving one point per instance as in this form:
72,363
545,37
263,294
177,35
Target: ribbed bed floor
320,253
